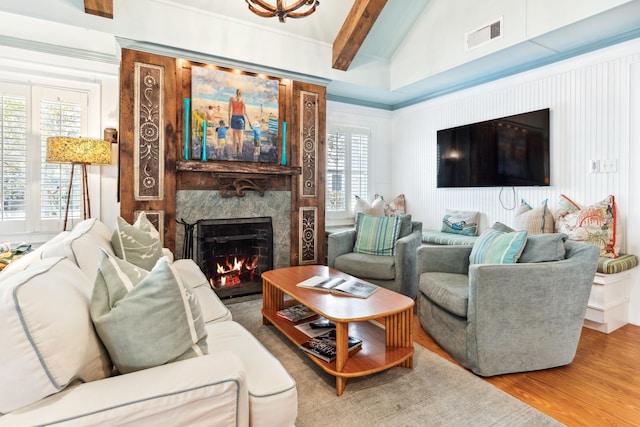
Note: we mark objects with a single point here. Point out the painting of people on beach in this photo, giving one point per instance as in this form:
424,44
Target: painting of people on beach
234,116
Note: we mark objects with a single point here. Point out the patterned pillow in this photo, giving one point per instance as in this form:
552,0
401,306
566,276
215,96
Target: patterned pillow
376,208
377,235
497,247
396,207
145,319
460,222
139,243
595,224
534,220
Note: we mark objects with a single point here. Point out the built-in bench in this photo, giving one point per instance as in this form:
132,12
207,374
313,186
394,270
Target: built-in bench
432,237
608,307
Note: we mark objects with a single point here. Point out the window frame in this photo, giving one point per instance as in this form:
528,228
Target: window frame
35,228
347,216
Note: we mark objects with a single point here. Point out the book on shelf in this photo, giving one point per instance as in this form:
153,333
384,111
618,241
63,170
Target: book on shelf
316,327
340,285
296,313
324,346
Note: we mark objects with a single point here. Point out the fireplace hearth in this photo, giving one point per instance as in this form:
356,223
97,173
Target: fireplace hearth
234,252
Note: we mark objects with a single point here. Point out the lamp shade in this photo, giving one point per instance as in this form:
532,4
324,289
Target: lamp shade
64,149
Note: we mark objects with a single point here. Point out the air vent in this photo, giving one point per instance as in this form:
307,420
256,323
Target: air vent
483,35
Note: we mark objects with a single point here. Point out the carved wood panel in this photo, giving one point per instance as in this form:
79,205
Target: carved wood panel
309,106
147,128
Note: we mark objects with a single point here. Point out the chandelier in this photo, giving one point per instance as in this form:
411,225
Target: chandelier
264,9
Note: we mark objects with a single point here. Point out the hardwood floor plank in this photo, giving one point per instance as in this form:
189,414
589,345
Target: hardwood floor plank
600,387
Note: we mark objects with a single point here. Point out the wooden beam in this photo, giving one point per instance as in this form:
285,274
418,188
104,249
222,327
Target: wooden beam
361,18
102,8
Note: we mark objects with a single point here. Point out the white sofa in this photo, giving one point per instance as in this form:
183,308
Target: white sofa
54,369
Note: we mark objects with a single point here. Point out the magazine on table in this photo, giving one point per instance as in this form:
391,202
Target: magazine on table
339,285
324,346
316,327
296,313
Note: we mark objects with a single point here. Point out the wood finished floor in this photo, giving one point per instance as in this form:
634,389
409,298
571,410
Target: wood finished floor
601,387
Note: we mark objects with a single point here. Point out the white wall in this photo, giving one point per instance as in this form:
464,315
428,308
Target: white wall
590,119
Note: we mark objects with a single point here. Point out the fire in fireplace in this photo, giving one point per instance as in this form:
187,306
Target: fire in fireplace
234,252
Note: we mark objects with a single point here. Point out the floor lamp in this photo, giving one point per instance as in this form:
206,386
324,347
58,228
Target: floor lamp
78,151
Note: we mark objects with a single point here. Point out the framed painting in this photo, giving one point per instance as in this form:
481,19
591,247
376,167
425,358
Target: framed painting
234,116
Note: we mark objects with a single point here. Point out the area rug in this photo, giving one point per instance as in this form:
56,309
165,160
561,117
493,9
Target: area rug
434,393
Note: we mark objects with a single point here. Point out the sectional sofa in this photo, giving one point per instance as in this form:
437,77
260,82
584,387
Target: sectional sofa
56,370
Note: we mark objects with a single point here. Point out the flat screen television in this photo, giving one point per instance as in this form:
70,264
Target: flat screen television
506,152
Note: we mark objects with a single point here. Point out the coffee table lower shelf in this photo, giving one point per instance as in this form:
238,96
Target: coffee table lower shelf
374,356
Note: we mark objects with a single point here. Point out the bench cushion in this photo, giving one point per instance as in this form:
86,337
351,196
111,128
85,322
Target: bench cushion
618,265
442,238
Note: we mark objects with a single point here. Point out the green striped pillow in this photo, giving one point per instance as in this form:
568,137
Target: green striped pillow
377,235
497,247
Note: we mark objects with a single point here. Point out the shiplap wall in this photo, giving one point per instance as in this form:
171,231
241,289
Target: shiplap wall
589,101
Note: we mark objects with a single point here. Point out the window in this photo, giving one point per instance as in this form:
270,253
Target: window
34,192
347,169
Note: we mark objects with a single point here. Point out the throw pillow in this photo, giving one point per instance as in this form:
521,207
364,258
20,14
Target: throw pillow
47,340
81,245
396,207
498,247
539,247
145,319
534,220
377,235
376,208
139,243
595,224
460,222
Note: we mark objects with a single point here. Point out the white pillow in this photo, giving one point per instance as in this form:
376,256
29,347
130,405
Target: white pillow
47,340
375,209
81,246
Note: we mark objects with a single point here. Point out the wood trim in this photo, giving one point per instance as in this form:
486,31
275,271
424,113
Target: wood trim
355,29
102,8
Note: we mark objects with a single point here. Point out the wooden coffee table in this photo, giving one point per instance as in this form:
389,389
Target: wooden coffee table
383,322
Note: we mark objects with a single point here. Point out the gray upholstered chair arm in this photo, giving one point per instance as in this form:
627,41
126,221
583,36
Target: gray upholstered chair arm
406,262
339,244
444,259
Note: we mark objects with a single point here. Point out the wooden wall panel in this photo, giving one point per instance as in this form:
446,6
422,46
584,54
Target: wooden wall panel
147,127
308,198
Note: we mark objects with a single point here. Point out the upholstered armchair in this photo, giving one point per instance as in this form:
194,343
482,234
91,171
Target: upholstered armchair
397,272
501,318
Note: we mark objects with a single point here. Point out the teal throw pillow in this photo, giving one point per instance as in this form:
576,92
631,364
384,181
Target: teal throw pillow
498,247
143,318
460,222
139,243
539,247
377,235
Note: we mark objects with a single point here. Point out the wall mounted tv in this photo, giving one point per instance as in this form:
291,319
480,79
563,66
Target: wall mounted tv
505,152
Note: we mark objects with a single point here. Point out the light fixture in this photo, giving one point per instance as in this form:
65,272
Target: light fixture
266,10
78,151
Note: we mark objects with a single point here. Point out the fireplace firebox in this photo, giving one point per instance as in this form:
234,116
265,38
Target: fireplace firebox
234,252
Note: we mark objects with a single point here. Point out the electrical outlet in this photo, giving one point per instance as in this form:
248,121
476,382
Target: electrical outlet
594,166
609,166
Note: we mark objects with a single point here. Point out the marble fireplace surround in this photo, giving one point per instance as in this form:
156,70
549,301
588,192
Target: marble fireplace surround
192,205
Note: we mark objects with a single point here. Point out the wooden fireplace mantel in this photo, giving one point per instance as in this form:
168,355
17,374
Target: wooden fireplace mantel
225,167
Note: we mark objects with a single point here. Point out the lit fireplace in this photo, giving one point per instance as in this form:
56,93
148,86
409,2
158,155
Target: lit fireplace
233,253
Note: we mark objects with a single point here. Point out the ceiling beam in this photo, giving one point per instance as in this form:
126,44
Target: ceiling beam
361,18
102,8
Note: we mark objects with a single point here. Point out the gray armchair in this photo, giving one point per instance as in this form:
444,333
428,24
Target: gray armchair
397,273
502,318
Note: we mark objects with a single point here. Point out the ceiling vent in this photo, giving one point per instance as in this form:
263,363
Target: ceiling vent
483,34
